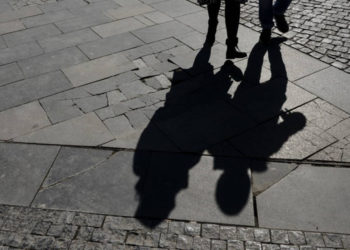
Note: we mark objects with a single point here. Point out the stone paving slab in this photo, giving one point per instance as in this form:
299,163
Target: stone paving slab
310,198
10,73
23,168
330,84
22,120
128,11
9,55
46,18
85,130
176,8
11,27
17,14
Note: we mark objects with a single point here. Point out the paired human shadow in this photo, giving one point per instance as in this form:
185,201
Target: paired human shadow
199,115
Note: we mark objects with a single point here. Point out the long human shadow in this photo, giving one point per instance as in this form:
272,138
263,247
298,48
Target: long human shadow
199,115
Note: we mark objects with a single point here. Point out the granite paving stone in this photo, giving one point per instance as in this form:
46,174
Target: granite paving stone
60,110
158,17
119,126
32,89
10,73
46,18
98,69
71,161
118,27
99,186
22,120
340,130
161,31
94,7
8,55
194,39
9,27
59,5
21,13
91,103
335,93
128,11
2,43
23,169
176,8
110,45
86,130
134,89
81,22
115,97
68,40
302,192
52,61
31,34
339,151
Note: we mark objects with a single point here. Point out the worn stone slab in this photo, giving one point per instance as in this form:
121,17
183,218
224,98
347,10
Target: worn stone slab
72,161
10,73
194,40
32,89
98,69
2,43
4,6
47,18
52,61
60,110
56,6
340,130
134,89
331,85
31,34
298,64
199,21
68,40
310,198
23,168
289,138
158,17
21,13
119,126
176,8
12,26
8,55
129,2
337,152
22,120
118,27
92,103
97,7
266,174
161,31
192,187
107,189
81,22
128,11
110,45
86,130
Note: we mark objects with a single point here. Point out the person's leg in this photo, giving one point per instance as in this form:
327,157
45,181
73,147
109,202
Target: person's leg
232,15
213,12
279,9
266,14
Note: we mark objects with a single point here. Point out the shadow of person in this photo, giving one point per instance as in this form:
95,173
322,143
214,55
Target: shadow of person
200,114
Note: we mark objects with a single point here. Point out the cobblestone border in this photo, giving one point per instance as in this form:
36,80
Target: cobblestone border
320,29
33,228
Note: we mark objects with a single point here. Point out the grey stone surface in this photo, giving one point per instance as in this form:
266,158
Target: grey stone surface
128,11
134,89
21,13
335,93
98,69
10,73
194,40
91,103
273,173
295,202
107,189
94,7
119,126
52,61
81,22
22,120
161,31
158,17
8,55
2,43
12,26
72,161
32,89
60,110
31,34
23,169
110,45
339,151
47,18
118,27
176,8
86,130
68,40
192,189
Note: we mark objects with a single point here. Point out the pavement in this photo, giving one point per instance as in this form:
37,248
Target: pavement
119,131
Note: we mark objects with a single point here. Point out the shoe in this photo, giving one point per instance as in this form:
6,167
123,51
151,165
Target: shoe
232,51
210,38
265,36
281,23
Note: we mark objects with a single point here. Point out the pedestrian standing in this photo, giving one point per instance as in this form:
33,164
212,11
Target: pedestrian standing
268,11
232,15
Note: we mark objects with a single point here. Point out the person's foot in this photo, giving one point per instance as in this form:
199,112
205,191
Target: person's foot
281,23
265,36
233,52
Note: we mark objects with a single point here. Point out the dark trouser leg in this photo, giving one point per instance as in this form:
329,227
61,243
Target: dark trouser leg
213,12
232,15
